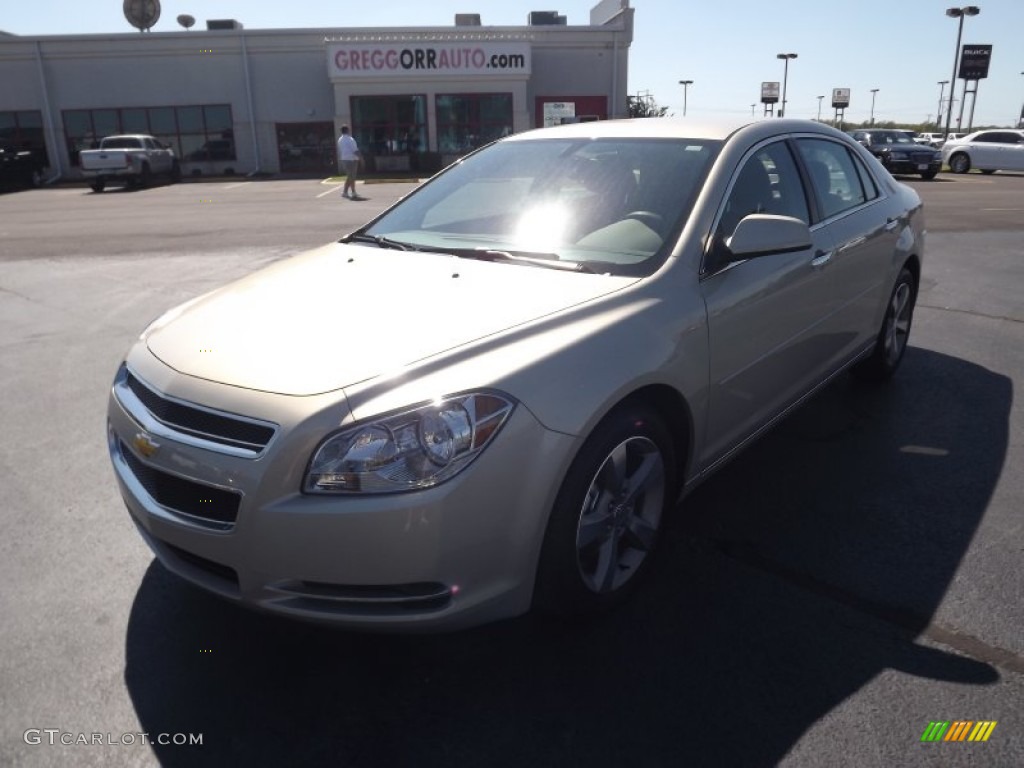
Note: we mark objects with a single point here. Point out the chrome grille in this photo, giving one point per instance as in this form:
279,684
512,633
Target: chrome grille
200,502
201,423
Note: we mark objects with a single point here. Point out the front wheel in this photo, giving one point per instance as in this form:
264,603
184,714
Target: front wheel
929,175
608,513
891,342
959,163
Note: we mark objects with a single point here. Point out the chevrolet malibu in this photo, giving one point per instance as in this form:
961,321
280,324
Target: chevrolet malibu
488,399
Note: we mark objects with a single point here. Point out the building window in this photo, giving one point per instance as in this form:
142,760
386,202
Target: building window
391,131
468,121
24,130
197,133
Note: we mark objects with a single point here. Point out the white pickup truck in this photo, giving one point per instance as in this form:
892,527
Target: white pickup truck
131,158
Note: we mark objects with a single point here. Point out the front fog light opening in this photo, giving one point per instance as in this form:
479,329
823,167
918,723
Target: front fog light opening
414,449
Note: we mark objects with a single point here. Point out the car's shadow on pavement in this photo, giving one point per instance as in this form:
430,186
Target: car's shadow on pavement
787,582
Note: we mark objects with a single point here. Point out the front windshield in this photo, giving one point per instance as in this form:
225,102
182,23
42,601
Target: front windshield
892,137
606,205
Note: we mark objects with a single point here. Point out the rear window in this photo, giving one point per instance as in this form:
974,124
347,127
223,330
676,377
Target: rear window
121,142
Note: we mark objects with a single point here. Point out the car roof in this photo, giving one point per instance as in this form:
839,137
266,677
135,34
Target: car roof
677,128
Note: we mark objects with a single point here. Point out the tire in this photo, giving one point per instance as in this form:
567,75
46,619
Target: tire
602,531
145,176
960,163
35,179
98,185
891,343
175,172
929,175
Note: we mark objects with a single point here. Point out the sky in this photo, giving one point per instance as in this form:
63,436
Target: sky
726,47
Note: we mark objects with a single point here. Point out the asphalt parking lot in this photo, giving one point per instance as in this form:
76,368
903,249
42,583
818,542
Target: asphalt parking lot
849,579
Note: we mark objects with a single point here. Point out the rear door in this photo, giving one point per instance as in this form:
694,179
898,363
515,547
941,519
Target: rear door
847,201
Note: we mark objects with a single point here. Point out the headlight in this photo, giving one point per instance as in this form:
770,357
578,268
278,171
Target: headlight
414,449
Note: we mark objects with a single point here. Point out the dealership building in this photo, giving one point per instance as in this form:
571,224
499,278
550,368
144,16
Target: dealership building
235,100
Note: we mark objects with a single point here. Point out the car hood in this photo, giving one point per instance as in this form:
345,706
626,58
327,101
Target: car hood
343,314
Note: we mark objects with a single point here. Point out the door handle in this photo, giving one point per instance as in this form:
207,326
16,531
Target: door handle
891,224
821,258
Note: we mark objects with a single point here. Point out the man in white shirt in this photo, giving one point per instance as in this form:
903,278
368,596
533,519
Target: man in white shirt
348,153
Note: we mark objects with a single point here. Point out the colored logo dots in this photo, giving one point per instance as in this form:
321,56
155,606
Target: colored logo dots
958,730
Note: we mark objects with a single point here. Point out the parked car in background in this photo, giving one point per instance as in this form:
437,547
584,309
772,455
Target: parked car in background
19,167
988,151
133,159
899,153
931,139
491,396
954,136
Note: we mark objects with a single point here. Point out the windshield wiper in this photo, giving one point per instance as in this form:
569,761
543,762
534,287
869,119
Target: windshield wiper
379,240
533,258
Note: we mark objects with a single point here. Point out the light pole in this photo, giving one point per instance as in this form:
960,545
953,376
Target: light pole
754,105
785,76
874,92
957,13
1020,120
819,107
938,113
686,87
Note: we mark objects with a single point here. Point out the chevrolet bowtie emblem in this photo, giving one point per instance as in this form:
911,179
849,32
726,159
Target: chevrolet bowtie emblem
145,445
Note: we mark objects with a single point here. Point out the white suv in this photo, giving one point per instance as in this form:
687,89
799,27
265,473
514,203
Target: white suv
931,139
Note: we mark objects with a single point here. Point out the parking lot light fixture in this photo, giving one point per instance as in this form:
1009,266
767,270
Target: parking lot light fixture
957,13
874,92
686,86
819,107
785,77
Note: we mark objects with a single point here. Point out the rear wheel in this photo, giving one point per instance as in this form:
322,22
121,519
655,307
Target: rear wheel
98,185
145,176
959,163
891,342
608,513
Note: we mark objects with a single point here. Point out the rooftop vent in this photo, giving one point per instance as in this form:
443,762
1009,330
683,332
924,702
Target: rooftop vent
467,19
223,24
545,18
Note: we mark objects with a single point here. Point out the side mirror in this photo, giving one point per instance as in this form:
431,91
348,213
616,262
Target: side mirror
764,234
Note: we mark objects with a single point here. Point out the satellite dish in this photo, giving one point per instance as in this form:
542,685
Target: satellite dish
142,14
186,21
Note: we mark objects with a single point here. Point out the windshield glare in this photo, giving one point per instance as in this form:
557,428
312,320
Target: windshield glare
610,205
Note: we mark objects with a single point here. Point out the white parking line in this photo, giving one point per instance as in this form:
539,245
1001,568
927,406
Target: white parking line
328,192
239,184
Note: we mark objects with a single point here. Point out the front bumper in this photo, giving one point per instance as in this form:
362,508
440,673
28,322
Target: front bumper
912,166
235,523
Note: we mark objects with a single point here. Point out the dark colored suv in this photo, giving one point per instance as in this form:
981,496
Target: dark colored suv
899,152
19,168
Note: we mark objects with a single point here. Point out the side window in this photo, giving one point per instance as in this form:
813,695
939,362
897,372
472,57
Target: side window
838,184
866,180
767,182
